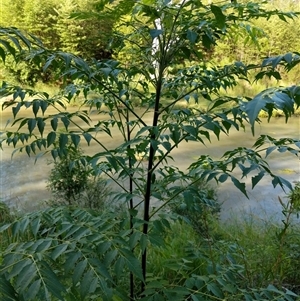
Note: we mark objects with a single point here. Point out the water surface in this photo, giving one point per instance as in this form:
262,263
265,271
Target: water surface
23,182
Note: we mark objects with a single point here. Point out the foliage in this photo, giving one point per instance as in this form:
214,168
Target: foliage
198,206
141,166
96,195
5,215
91,253
94,249
68,177
290,208
275,241
72,183
51,22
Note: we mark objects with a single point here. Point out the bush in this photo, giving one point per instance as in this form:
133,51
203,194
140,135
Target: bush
5,214
198,207
72,183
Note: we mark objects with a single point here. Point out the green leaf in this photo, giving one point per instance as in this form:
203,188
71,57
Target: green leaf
288,292
16,109
133,264
35,107
273,289
18,267
288,57
143,242
78,271
8,292
33,290
54,123
41,125
49,61
167,145
51,138
134,238
63,141
223,178
75,139
60,249
268,100
240,186
54,153
31,125
88,284
119,266
281,182
65,120
88,137
35,226
52,282
191,130
44,245
257,178
44,106
155,33
22,123
2,54
253,107
212,287
195,298
103,247
175,134
220,17
8,47
28,150
114,162
71,260
192,36
109,257
26,276
270,150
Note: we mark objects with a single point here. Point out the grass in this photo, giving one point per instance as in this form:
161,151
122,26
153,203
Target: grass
254,248
258,252
261,252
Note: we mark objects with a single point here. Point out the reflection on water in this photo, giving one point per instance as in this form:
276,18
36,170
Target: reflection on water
23,181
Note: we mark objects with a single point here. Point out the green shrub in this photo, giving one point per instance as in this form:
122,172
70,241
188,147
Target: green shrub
198,206
68,178
72,183
5,214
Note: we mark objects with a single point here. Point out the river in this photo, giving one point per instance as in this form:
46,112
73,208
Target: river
23,182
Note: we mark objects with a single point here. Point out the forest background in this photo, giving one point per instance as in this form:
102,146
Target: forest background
64,26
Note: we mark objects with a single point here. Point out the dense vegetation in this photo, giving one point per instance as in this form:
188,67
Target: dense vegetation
85,28
149,245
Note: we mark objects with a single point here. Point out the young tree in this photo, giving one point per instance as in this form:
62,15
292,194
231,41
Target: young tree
187,32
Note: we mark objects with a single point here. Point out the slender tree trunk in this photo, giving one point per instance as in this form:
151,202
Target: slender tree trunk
147,196
130,202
